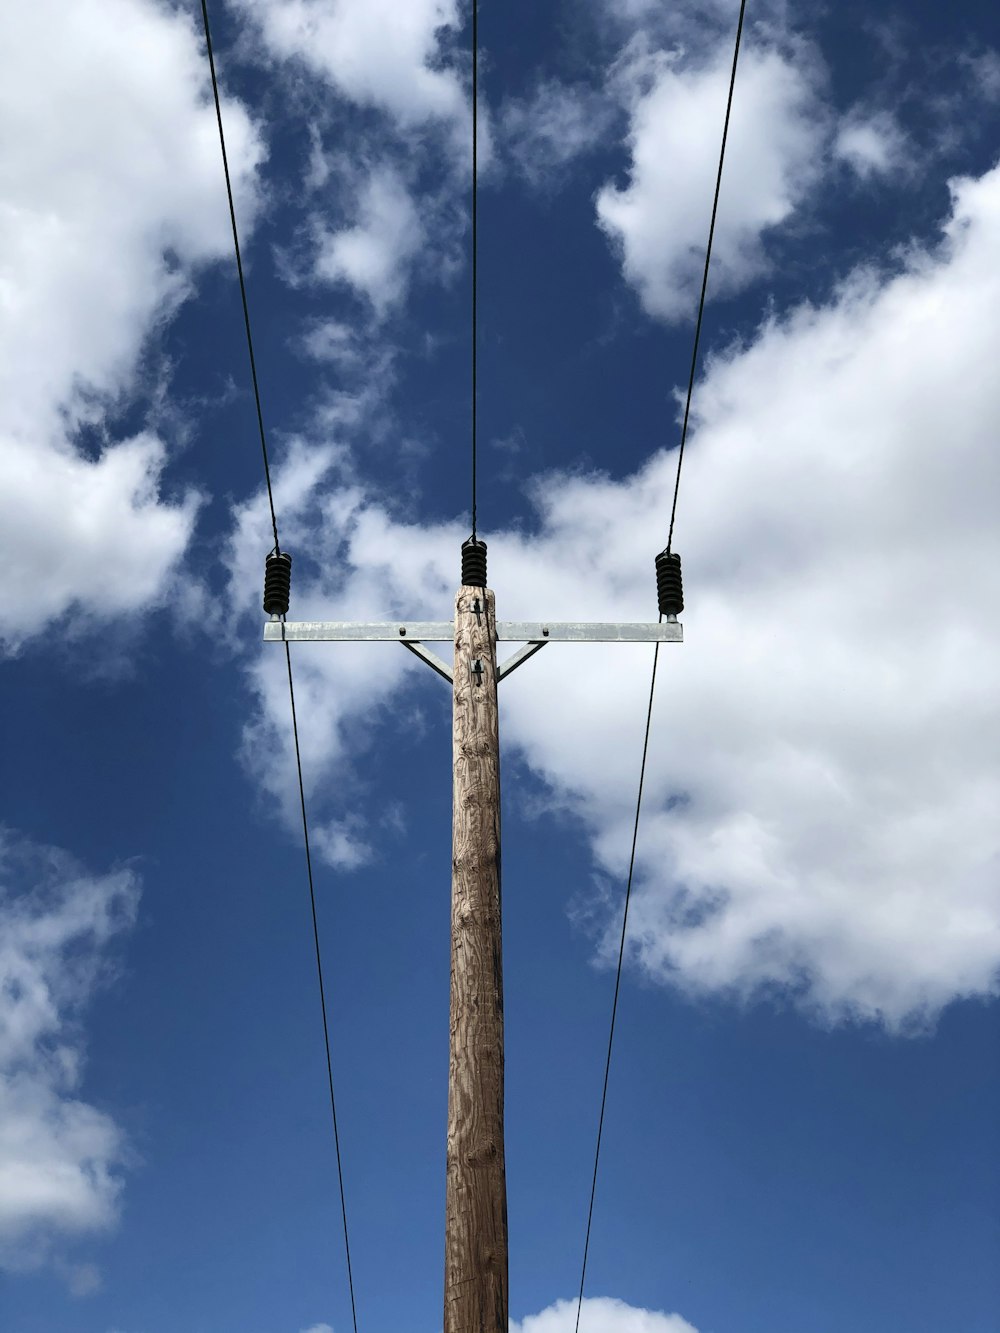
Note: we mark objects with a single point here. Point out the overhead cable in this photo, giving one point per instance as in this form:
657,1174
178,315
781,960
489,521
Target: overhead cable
475,245
288,659
704,276
239,269
652,683
618,982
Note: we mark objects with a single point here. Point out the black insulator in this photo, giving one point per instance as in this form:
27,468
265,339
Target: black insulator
277,583
473,563
669,584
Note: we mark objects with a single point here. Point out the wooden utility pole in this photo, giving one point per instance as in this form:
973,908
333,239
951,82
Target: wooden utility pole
475,1289
475,1281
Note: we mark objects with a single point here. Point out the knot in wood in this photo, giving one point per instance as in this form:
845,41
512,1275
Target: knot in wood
490,1259
483,1154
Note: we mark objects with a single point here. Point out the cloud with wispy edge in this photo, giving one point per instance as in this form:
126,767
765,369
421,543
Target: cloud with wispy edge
61,1159
108,218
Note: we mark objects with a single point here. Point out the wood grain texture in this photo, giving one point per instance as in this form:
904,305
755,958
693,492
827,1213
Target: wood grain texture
475,1290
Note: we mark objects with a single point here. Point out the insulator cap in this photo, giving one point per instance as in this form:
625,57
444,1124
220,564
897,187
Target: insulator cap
473,563
669,584
277,583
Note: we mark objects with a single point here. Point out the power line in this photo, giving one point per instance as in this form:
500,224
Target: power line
239,269
652,683
618,981
704,279
288,660
475,241
319,975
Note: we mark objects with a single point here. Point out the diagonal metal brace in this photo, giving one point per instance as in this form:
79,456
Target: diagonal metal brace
522,655
432,659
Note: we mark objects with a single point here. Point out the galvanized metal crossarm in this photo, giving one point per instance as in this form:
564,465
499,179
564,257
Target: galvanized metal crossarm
441,631
413,634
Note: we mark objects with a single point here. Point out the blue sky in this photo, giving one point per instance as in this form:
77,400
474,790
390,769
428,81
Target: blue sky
802,1126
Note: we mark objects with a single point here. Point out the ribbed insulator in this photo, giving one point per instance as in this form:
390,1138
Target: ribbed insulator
473,563
277,583
669,584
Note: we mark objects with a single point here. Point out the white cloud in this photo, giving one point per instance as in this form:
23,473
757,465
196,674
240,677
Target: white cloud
406,65
334,525
692,25
601,1314
872,144
60,1158
82,1279
80,533
374,255
375,52
985,70
822,791
333,341
544,131
110,194
319,1328
833,738
659,220
340,847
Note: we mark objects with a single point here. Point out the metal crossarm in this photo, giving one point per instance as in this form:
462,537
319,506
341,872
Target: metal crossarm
358,631
441,631
413,634
583,631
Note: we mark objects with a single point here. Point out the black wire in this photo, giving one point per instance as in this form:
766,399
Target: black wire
652,683
618,981
704,280
239,269
288,659
319,972
475,238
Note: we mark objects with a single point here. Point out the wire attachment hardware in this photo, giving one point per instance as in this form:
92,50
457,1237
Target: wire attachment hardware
277,583
669,584
473,563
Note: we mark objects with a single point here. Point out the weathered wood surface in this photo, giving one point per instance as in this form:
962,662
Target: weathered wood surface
475,1290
